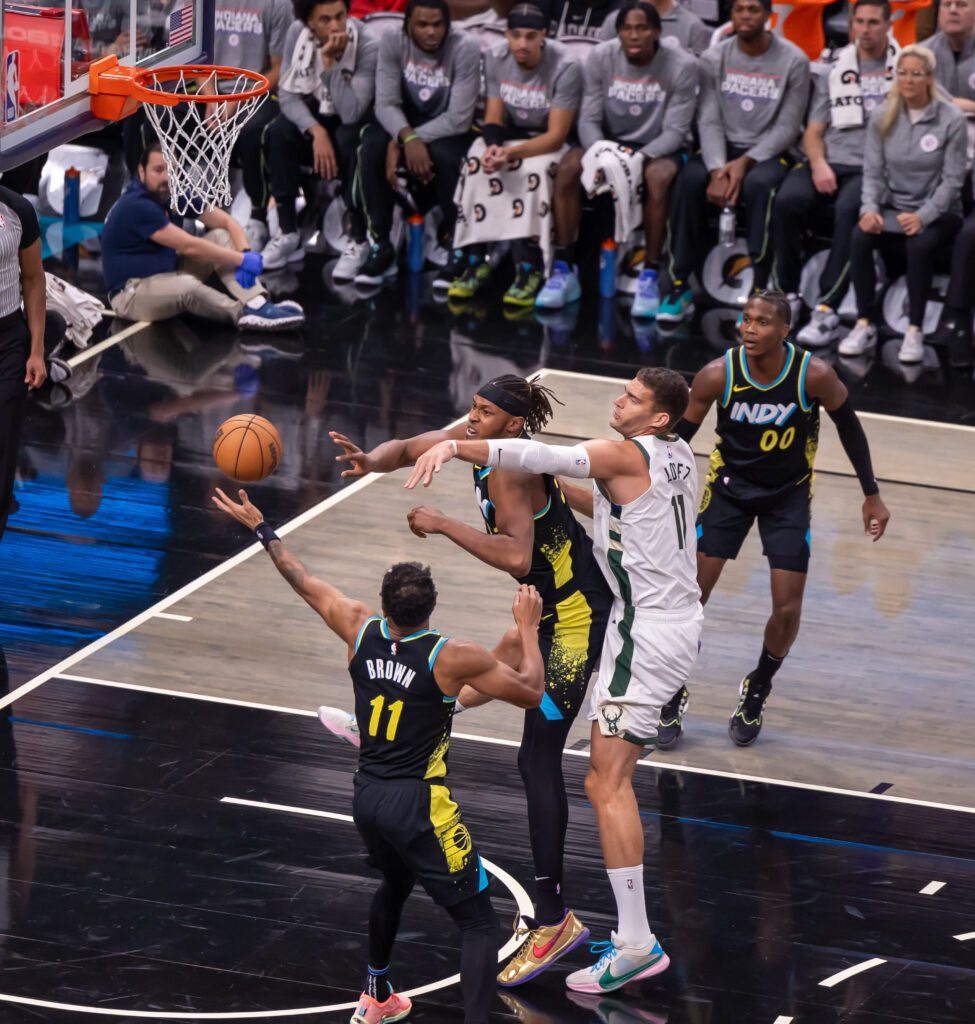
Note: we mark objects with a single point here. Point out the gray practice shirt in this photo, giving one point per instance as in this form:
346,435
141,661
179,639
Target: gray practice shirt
846,145
650,108
528,94
955,71
435,93
753,103
919,167
249,34
678,27
352,94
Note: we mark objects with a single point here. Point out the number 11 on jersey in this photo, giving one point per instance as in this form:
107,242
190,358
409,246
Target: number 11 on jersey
680,517
395,710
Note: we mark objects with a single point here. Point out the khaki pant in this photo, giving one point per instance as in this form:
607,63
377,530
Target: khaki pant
162,296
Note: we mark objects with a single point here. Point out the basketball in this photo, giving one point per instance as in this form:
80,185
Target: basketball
247,448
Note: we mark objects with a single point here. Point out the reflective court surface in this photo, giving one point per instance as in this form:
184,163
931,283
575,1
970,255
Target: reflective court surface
128,882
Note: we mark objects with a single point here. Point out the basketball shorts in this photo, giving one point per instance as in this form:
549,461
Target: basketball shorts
647,657
570,643
416,824
784,519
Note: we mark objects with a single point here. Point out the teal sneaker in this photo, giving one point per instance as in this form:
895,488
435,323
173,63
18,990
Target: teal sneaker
561,289
618,965
678,305
647,299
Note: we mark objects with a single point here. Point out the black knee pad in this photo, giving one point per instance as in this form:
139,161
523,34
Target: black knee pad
475,914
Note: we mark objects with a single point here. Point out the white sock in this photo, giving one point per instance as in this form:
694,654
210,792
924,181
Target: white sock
633,928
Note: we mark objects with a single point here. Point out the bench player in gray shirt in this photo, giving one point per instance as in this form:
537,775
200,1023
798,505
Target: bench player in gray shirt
912,178
641,94
678,27
830,178
754,93
427,84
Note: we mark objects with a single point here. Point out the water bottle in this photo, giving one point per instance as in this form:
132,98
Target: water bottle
607,269
414,245
727,226
72,195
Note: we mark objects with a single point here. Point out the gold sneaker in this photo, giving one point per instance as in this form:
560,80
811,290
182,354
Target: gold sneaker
543,945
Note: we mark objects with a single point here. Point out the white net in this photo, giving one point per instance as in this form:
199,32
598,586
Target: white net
197,137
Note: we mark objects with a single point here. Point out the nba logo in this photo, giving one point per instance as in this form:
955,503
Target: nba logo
11,87
393,649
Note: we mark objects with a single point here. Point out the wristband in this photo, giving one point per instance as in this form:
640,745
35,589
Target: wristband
412,137
265,534
453,445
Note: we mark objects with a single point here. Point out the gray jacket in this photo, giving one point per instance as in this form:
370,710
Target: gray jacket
650,108
352,94
754,103
439,90
958,77
916,168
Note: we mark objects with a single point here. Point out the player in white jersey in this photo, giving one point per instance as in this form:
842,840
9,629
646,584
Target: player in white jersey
644,487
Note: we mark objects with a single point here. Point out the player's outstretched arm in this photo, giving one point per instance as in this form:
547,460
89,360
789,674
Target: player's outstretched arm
707,388
597,459
822,383
389,456
343,615
463,662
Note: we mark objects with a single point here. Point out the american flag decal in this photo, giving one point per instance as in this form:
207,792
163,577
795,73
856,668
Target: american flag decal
181,25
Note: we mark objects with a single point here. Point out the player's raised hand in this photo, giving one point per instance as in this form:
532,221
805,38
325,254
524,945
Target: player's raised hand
358,460
424,520
244,512
430,463
875,517
527,607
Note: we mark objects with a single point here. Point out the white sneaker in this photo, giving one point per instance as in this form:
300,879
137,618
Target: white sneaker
340,723
862,339
821,328
795,304
348,264
282,250
912,347
617,966
256,233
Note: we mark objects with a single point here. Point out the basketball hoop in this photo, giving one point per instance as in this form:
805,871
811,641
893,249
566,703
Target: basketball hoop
197,110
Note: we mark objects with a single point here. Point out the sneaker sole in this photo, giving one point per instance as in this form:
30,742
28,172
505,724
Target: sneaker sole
582,936
742,743
519,303
566,301
289,324
293,257
666,745
343,733
657,967
356,1019
644,314
676,318
912,361
387,276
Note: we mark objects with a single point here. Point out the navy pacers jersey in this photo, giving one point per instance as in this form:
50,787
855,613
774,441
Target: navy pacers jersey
404,718
767,433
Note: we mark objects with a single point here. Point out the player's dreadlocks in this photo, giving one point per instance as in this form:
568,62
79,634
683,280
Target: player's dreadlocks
533,395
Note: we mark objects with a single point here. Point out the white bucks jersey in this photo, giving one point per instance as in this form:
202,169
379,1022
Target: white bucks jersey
647,549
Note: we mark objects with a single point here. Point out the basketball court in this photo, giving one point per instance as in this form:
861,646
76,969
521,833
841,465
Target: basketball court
175,831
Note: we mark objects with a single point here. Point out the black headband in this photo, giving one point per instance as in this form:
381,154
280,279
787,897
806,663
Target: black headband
503,399
527,16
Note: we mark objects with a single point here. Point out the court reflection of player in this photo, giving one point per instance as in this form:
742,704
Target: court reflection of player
406,677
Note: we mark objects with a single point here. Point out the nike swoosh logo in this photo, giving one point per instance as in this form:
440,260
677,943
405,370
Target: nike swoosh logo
551,615
740,387
539,952
609,978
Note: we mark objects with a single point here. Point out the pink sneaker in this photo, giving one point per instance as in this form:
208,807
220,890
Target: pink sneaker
340,723
370,1012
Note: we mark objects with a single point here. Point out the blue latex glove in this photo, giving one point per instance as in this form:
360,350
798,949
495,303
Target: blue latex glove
247,273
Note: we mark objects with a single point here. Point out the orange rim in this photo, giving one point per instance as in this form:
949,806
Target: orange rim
143,92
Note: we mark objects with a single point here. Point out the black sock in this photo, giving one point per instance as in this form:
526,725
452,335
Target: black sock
549,906
287,218
768,665
566,253
378,985
652,265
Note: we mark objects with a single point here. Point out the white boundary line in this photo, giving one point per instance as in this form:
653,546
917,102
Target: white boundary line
113,339
835,979
511,883
502,742
965,937
931,888
174,616
575,375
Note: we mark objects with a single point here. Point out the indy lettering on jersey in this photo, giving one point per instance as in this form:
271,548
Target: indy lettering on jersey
386,668
762,412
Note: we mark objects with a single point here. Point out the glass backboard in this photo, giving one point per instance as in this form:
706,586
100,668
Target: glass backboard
49,45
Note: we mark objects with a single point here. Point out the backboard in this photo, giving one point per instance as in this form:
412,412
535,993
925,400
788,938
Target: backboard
49,45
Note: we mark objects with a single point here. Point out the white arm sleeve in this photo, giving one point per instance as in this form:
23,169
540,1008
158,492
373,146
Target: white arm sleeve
535,457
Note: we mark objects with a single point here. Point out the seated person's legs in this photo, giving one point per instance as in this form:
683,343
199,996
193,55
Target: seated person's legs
563,285
376,200
658,176
955,330
757,193
687,239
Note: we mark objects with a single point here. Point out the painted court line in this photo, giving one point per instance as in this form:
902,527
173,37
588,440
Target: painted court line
286,808
501,742
88,353
174,616
932,887
783,1020
835,979
965,937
